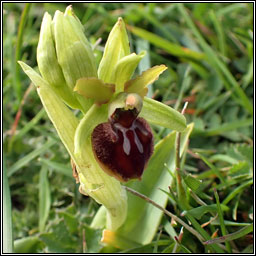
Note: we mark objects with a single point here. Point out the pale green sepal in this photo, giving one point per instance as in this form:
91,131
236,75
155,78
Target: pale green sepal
74,53
158,113
94,88
96,183
77,24
116,48
62,118
125,68
49,66
91,119
140,83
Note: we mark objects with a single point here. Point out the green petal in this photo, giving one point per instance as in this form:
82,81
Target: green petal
116,48
158,113
94,88
140,83
49,66
125,68
91,119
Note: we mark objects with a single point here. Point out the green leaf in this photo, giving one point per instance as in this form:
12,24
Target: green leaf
140,83
71,221
125,68
44,198
94,88
116,48
29,244
193,183
59,240
143,218
198,212
92,238
7,214
158,113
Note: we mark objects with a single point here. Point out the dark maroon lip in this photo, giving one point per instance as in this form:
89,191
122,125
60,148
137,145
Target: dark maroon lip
123,145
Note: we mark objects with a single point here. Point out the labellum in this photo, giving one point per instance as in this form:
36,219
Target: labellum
124,144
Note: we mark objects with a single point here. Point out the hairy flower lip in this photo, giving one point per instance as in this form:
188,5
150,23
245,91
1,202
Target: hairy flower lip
123,145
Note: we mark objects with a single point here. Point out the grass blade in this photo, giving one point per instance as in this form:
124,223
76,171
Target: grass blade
231,126
26,159
30,125
7,214
171,48
221,219
60,168
23,20
44,198
217,64
237,191
240,233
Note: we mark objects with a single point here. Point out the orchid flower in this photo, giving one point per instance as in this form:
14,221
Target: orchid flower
112,102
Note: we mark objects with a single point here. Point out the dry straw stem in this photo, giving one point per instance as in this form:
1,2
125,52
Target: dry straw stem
177,219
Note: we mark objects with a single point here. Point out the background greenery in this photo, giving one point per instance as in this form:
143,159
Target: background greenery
215,76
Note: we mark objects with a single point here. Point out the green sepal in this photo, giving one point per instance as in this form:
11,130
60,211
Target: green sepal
158,113
48,64
125,68
140,83
62,118
74,52
116,48
73,49
94,88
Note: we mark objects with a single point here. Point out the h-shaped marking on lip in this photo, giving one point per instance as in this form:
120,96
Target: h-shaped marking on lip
126,143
